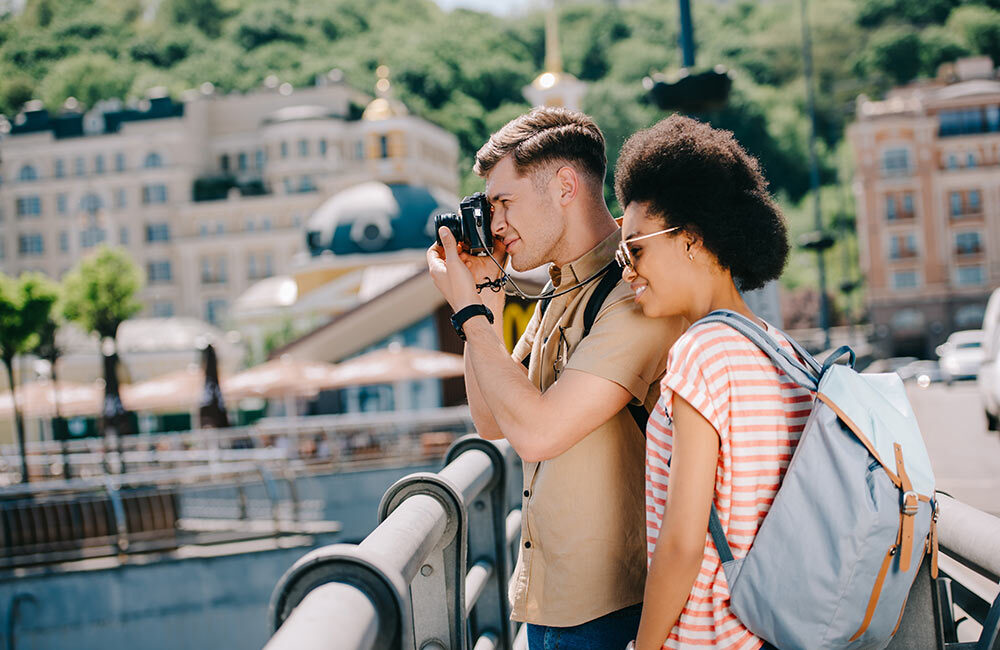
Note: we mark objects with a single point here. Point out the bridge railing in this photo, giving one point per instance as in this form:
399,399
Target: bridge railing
433,575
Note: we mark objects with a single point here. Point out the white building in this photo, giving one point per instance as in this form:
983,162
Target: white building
209,195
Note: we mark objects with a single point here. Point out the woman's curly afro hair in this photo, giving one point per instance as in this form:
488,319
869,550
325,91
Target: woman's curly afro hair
701,179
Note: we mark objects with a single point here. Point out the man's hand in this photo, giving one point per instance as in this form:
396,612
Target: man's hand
455,273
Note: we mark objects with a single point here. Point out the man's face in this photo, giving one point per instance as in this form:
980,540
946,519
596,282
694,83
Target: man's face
526,216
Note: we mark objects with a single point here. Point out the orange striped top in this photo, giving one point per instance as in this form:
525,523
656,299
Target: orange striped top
759,415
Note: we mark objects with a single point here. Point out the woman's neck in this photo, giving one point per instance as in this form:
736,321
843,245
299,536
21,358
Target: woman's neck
723,295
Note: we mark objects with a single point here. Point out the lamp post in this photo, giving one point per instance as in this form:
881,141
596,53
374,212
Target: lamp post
817,241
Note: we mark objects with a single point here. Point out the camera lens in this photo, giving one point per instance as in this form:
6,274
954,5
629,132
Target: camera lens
452,222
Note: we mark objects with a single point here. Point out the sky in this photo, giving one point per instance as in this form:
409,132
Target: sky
499,7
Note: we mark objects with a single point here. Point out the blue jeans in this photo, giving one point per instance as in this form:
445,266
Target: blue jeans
610,632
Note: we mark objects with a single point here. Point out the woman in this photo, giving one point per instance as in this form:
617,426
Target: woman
699,227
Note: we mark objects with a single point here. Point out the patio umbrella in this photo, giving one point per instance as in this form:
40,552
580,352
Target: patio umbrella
279,378
394,364
37,399
213,408
178,390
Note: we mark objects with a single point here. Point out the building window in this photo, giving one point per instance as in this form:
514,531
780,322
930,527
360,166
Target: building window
79,167
99,164
220,228
970,160
259,158
975,204
157,232
265,224
968,243
153,161
241,161
993,118
902,247
119,162
359,150
123,236
895,162
91,204
224,162
383,146
964,121
215,310
322,148
969,276
890,208
303,148
905,280
213,270
952,162
29,206
284,149
92,236
154,194
287,182
64,241
306,184
163,309
27,173
31,244
250,225
120,198
62,203
60,168
158,272
955,201
908,205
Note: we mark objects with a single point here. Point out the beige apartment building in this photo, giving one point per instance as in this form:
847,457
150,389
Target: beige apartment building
927,186
209,194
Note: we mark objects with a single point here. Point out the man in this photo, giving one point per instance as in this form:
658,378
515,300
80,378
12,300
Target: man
582,563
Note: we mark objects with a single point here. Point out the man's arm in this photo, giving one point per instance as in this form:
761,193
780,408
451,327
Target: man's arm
538,425
486,425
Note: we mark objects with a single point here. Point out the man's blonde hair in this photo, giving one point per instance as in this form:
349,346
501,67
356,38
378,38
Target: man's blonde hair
543,136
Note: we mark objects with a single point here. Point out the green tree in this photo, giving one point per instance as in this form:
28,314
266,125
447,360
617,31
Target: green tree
979,27
88,77
100,292
25,307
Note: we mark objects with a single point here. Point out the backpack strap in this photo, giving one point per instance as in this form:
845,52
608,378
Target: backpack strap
805,373
609,280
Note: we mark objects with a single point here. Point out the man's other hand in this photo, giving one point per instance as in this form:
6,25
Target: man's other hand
451,273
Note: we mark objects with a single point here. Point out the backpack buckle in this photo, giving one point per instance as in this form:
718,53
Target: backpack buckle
911,503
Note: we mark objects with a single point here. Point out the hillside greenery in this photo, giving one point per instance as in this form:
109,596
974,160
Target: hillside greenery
465,70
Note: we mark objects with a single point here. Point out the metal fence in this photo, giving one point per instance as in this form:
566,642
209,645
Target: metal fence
434,573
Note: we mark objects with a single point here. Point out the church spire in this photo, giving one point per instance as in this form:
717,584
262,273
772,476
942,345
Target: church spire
553,53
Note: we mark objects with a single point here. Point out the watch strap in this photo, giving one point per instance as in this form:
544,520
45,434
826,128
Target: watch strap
465,313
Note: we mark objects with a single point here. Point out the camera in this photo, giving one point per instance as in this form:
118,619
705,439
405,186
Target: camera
471,226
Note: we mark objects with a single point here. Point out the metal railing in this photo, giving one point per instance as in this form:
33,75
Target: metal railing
325,443
433,575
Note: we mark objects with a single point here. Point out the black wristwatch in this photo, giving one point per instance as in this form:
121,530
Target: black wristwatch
465,313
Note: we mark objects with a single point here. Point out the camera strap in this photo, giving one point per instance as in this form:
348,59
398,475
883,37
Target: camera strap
609,280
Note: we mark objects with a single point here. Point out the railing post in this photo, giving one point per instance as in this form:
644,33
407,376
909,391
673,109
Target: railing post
437,592
490,613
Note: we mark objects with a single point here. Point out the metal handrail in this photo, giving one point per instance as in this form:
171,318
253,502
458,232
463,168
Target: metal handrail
434,573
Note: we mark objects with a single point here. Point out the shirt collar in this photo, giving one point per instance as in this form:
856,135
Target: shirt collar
587,264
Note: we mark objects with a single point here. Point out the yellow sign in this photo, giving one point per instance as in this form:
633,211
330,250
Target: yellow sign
515,320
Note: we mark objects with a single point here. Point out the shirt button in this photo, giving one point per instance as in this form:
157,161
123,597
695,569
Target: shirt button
527,545
527,493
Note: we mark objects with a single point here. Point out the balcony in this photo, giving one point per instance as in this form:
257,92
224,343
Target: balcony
218,188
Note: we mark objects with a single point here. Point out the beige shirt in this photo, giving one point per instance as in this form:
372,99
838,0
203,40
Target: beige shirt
583,532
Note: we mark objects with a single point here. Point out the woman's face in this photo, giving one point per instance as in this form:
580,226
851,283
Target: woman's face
665,273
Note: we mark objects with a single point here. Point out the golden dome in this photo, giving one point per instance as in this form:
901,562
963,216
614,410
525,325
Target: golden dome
384,106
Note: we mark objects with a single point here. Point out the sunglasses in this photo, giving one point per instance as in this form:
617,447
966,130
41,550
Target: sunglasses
624,257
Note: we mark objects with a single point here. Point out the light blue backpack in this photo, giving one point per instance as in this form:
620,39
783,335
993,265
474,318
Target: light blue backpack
837,553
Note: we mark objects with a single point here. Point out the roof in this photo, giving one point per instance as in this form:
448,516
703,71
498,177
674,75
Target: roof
376,218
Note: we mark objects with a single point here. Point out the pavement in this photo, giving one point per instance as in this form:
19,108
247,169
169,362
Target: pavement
964,454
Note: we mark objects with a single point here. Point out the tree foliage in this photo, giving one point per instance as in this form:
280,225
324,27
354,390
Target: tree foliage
101,291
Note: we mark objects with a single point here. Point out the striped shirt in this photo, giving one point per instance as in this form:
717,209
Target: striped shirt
759,415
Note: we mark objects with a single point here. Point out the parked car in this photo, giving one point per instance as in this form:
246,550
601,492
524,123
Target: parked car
961,355
924,368
989,371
